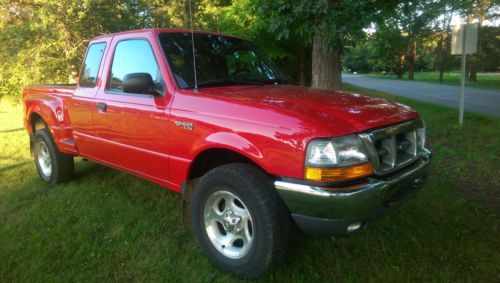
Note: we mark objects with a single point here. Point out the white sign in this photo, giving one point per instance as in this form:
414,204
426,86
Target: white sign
457,36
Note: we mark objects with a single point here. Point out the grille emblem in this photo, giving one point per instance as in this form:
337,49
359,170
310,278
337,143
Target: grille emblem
404,145
393,147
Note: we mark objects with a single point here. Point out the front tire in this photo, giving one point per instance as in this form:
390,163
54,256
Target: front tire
53,166
239,220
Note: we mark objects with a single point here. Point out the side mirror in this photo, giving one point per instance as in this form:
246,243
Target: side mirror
138,83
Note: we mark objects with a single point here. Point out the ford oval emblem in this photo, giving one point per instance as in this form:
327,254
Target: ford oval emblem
404,145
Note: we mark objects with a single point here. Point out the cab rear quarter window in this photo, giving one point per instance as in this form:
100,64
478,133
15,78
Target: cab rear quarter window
90,69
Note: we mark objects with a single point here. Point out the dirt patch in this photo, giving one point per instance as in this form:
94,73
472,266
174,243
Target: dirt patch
481,189
485,197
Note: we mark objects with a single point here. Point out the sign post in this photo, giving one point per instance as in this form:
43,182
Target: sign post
463,77
463,42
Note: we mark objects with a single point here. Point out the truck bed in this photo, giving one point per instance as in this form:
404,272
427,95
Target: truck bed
48,102
63,89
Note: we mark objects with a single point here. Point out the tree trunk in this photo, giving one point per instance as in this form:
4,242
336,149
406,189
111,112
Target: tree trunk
325,66
481,14
442,55
302,70
413,61
445,46
400,66
469,57
442,52
187,13
442,68
473,68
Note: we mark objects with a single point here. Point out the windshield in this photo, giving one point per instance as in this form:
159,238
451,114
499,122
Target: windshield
220,61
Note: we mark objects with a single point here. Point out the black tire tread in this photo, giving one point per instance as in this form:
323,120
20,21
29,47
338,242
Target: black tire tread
273,210
63,168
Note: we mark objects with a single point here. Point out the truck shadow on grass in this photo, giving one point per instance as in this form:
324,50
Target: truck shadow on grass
11,130
14,166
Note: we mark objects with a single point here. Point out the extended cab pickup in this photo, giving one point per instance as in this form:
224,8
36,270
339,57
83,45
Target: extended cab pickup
251,153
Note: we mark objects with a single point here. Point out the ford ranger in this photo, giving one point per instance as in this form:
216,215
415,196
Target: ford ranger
211,117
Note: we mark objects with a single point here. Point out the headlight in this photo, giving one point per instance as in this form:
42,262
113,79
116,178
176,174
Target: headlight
344,151
337,160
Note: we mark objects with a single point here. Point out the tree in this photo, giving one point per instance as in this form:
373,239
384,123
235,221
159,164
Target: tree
363,57
415,19
241,18
480,10
391,45
164,13
488,55
44,41
327,25
444,45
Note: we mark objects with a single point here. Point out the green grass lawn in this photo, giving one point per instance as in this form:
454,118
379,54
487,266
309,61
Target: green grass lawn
106,225
484,80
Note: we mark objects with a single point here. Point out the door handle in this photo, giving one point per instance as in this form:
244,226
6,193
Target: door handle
102,107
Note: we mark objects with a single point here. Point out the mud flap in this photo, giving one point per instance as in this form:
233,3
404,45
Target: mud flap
186,192
184,204
32,151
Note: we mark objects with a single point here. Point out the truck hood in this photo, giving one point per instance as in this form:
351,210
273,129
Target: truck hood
330,110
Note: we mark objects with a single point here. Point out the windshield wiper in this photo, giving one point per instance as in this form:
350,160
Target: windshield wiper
223,82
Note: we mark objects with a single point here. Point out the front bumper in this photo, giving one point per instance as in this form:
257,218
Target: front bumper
321,210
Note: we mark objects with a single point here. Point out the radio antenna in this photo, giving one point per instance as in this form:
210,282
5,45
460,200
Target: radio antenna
192,44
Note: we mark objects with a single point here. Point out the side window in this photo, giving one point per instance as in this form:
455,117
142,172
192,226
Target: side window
88,78
133,56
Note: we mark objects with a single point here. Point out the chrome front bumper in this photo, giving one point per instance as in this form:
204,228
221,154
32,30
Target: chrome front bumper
323,210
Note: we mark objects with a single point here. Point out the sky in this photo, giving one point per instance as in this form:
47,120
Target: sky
457,19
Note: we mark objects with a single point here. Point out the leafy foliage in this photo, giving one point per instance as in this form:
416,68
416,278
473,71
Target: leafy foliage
489,49
379,52
45,40
425,24
338,22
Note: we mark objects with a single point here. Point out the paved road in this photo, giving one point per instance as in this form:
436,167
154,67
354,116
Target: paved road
484,101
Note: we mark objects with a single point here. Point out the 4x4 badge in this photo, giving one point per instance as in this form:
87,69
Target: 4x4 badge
186,125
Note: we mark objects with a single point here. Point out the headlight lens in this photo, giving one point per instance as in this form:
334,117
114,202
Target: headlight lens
321,152
343,151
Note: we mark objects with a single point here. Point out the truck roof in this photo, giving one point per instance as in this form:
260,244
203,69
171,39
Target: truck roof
157,31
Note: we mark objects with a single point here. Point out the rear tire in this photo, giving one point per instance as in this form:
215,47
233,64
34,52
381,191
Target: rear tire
53,166
239,220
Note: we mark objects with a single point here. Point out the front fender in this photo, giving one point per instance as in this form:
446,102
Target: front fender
274,156
233,142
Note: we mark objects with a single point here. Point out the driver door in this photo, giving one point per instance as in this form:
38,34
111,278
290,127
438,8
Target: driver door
132,128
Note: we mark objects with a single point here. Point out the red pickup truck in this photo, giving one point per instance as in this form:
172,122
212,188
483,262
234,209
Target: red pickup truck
252,153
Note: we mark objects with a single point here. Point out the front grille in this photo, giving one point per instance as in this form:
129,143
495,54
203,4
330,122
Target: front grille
393,147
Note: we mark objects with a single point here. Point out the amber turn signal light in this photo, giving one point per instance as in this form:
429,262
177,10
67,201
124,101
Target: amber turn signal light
338,174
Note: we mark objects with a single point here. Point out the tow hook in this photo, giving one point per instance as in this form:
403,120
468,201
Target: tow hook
417,183
414,186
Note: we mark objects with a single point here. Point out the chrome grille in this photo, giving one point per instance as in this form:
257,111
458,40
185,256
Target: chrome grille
393,147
